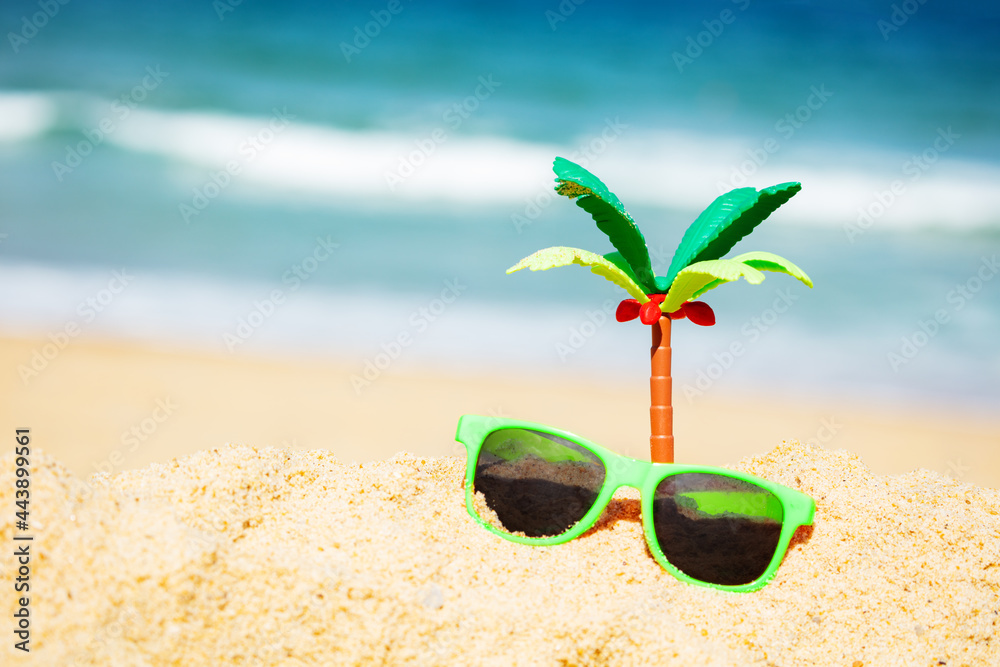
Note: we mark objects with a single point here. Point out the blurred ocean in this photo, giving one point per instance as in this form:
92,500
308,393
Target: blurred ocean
333,179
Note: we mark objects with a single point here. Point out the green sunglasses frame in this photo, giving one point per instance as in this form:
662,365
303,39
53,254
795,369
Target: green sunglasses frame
798,508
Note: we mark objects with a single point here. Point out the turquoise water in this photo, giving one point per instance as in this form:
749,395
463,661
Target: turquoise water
273,170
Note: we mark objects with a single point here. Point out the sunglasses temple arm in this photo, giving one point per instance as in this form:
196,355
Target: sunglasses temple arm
661,412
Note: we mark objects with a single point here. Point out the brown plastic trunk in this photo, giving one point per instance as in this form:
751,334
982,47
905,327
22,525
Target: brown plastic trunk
661,412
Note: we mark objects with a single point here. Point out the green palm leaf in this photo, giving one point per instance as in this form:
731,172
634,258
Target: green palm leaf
700,277
727,220
609,214
550,258
619,261
765,261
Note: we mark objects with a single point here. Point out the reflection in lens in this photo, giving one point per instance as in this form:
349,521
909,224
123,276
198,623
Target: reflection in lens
535,483
715,528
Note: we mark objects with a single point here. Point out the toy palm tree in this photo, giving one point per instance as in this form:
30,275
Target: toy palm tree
697,266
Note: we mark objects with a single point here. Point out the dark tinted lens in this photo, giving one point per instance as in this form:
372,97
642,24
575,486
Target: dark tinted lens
535,483
715,528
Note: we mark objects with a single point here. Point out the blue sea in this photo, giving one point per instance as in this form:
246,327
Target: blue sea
351,180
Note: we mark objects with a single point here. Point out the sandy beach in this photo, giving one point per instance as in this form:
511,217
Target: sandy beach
190,509
274,556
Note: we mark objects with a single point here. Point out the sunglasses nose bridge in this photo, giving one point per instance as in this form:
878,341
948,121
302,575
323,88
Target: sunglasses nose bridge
626,471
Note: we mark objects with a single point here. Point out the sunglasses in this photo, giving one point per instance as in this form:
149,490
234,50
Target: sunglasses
537,485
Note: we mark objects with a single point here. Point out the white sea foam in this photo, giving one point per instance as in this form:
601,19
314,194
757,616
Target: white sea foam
25,115
662,168
225,317
680,170
344,163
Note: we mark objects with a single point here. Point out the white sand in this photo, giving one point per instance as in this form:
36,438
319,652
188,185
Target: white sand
281,557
